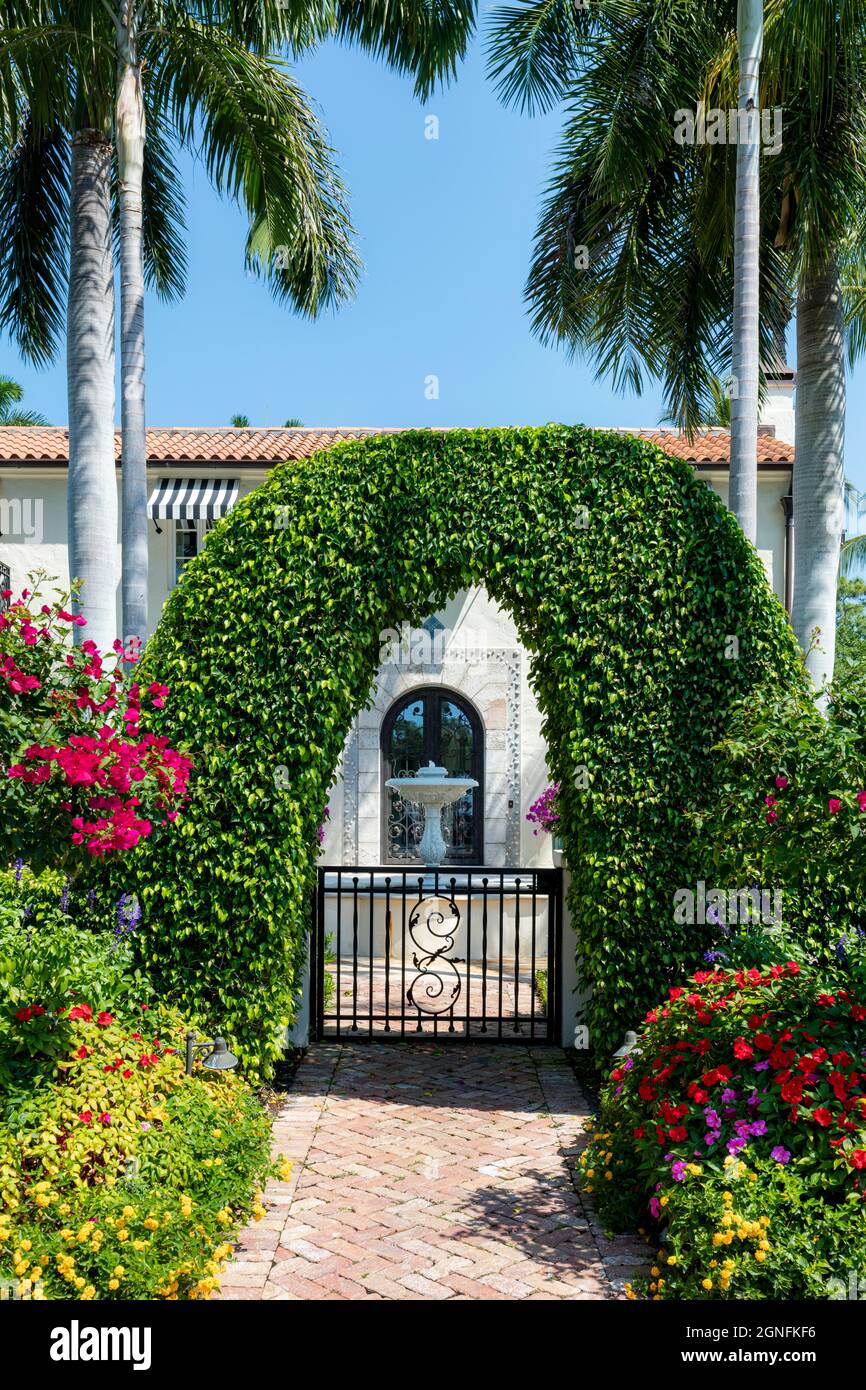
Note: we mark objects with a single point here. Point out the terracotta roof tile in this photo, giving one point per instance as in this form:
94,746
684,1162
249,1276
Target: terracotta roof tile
50,444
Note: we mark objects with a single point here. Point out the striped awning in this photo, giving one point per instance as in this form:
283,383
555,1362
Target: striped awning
192,499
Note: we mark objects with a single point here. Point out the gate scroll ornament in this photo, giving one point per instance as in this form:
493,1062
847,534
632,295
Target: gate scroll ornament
433,926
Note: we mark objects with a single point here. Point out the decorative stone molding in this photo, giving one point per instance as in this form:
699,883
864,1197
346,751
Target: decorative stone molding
491,681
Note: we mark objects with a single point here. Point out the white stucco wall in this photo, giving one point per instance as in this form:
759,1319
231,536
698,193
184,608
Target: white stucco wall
33,522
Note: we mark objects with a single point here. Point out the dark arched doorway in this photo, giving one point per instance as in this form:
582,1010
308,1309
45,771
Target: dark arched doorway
436,725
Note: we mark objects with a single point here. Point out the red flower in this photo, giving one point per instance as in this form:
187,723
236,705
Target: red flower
105,1118
127,1073
104,1019
822,1116
83,1011
82,1052
742,1050
678,1133
858,1158
38,1011
24,1015
86,1117
858,1012
764,1042
834,806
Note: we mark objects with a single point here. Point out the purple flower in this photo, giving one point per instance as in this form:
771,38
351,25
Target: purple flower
758,1127
711,1136
128,917
64,897
655,1208
628,1064
713,957
712,1119
780,1155
678,1172
761,1066
145,1125
728,1096
735,1144
19,869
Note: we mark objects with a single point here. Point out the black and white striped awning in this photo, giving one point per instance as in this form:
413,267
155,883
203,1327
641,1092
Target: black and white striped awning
192,499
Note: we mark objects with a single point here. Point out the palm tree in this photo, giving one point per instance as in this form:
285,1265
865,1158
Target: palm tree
240,422
156,76
654,294
10,394
743,475
293,424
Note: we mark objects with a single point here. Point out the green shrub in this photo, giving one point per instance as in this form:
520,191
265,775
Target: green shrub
648,617
121,1176
738,1128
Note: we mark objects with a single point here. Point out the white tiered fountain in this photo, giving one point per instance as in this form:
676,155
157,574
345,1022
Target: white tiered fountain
433,789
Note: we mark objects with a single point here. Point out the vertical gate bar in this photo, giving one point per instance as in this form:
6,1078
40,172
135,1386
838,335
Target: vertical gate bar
370,964
388,953
501,945
516,1027
339,940
451,1028
534,910
555,947
317,924
484,883
355,954
418,1028
403,896
468,951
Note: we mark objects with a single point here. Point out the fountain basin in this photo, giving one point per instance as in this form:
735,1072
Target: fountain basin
433,789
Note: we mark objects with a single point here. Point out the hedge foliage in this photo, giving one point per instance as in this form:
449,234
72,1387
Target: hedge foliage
629,583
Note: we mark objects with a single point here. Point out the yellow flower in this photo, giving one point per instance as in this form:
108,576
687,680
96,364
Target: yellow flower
217,1134
760,1254
672,1259
140,1244
706,1283
727,1197
655,1271
129,1213
118,1271
89,1292
608,1175
123,1235
114,1283
150,1224
663,1201
27,1245
590,1172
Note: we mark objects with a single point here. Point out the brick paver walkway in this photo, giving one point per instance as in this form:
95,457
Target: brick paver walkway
425,1171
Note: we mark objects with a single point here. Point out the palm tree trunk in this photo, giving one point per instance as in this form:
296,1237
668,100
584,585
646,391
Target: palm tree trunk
92,489
819,467
743,480
130,164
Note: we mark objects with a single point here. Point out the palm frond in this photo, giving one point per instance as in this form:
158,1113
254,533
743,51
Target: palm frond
34,228
262,145
424,39
532,51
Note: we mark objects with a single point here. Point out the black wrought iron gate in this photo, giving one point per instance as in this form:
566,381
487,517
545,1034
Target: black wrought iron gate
445,953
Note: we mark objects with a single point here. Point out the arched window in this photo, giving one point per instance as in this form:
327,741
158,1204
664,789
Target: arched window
435,725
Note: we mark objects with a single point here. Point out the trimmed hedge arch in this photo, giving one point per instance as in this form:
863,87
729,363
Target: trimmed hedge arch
626,578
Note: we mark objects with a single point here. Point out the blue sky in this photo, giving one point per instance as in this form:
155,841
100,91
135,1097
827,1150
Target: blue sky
445,230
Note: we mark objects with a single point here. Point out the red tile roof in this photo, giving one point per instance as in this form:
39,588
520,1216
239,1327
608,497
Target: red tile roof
263,447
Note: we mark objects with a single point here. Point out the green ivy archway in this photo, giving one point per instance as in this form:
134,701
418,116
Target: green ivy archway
646,614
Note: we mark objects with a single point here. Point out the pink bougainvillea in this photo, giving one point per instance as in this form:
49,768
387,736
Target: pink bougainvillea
543,813
72,734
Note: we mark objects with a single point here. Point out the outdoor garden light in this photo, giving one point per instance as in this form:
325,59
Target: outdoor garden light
217,1059
629,1046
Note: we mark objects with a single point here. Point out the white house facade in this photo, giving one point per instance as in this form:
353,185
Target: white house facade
455,692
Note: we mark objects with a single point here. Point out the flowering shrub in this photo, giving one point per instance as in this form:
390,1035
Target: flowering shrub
757,1077
76,769
55,947
791,812
543,813
120,1176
